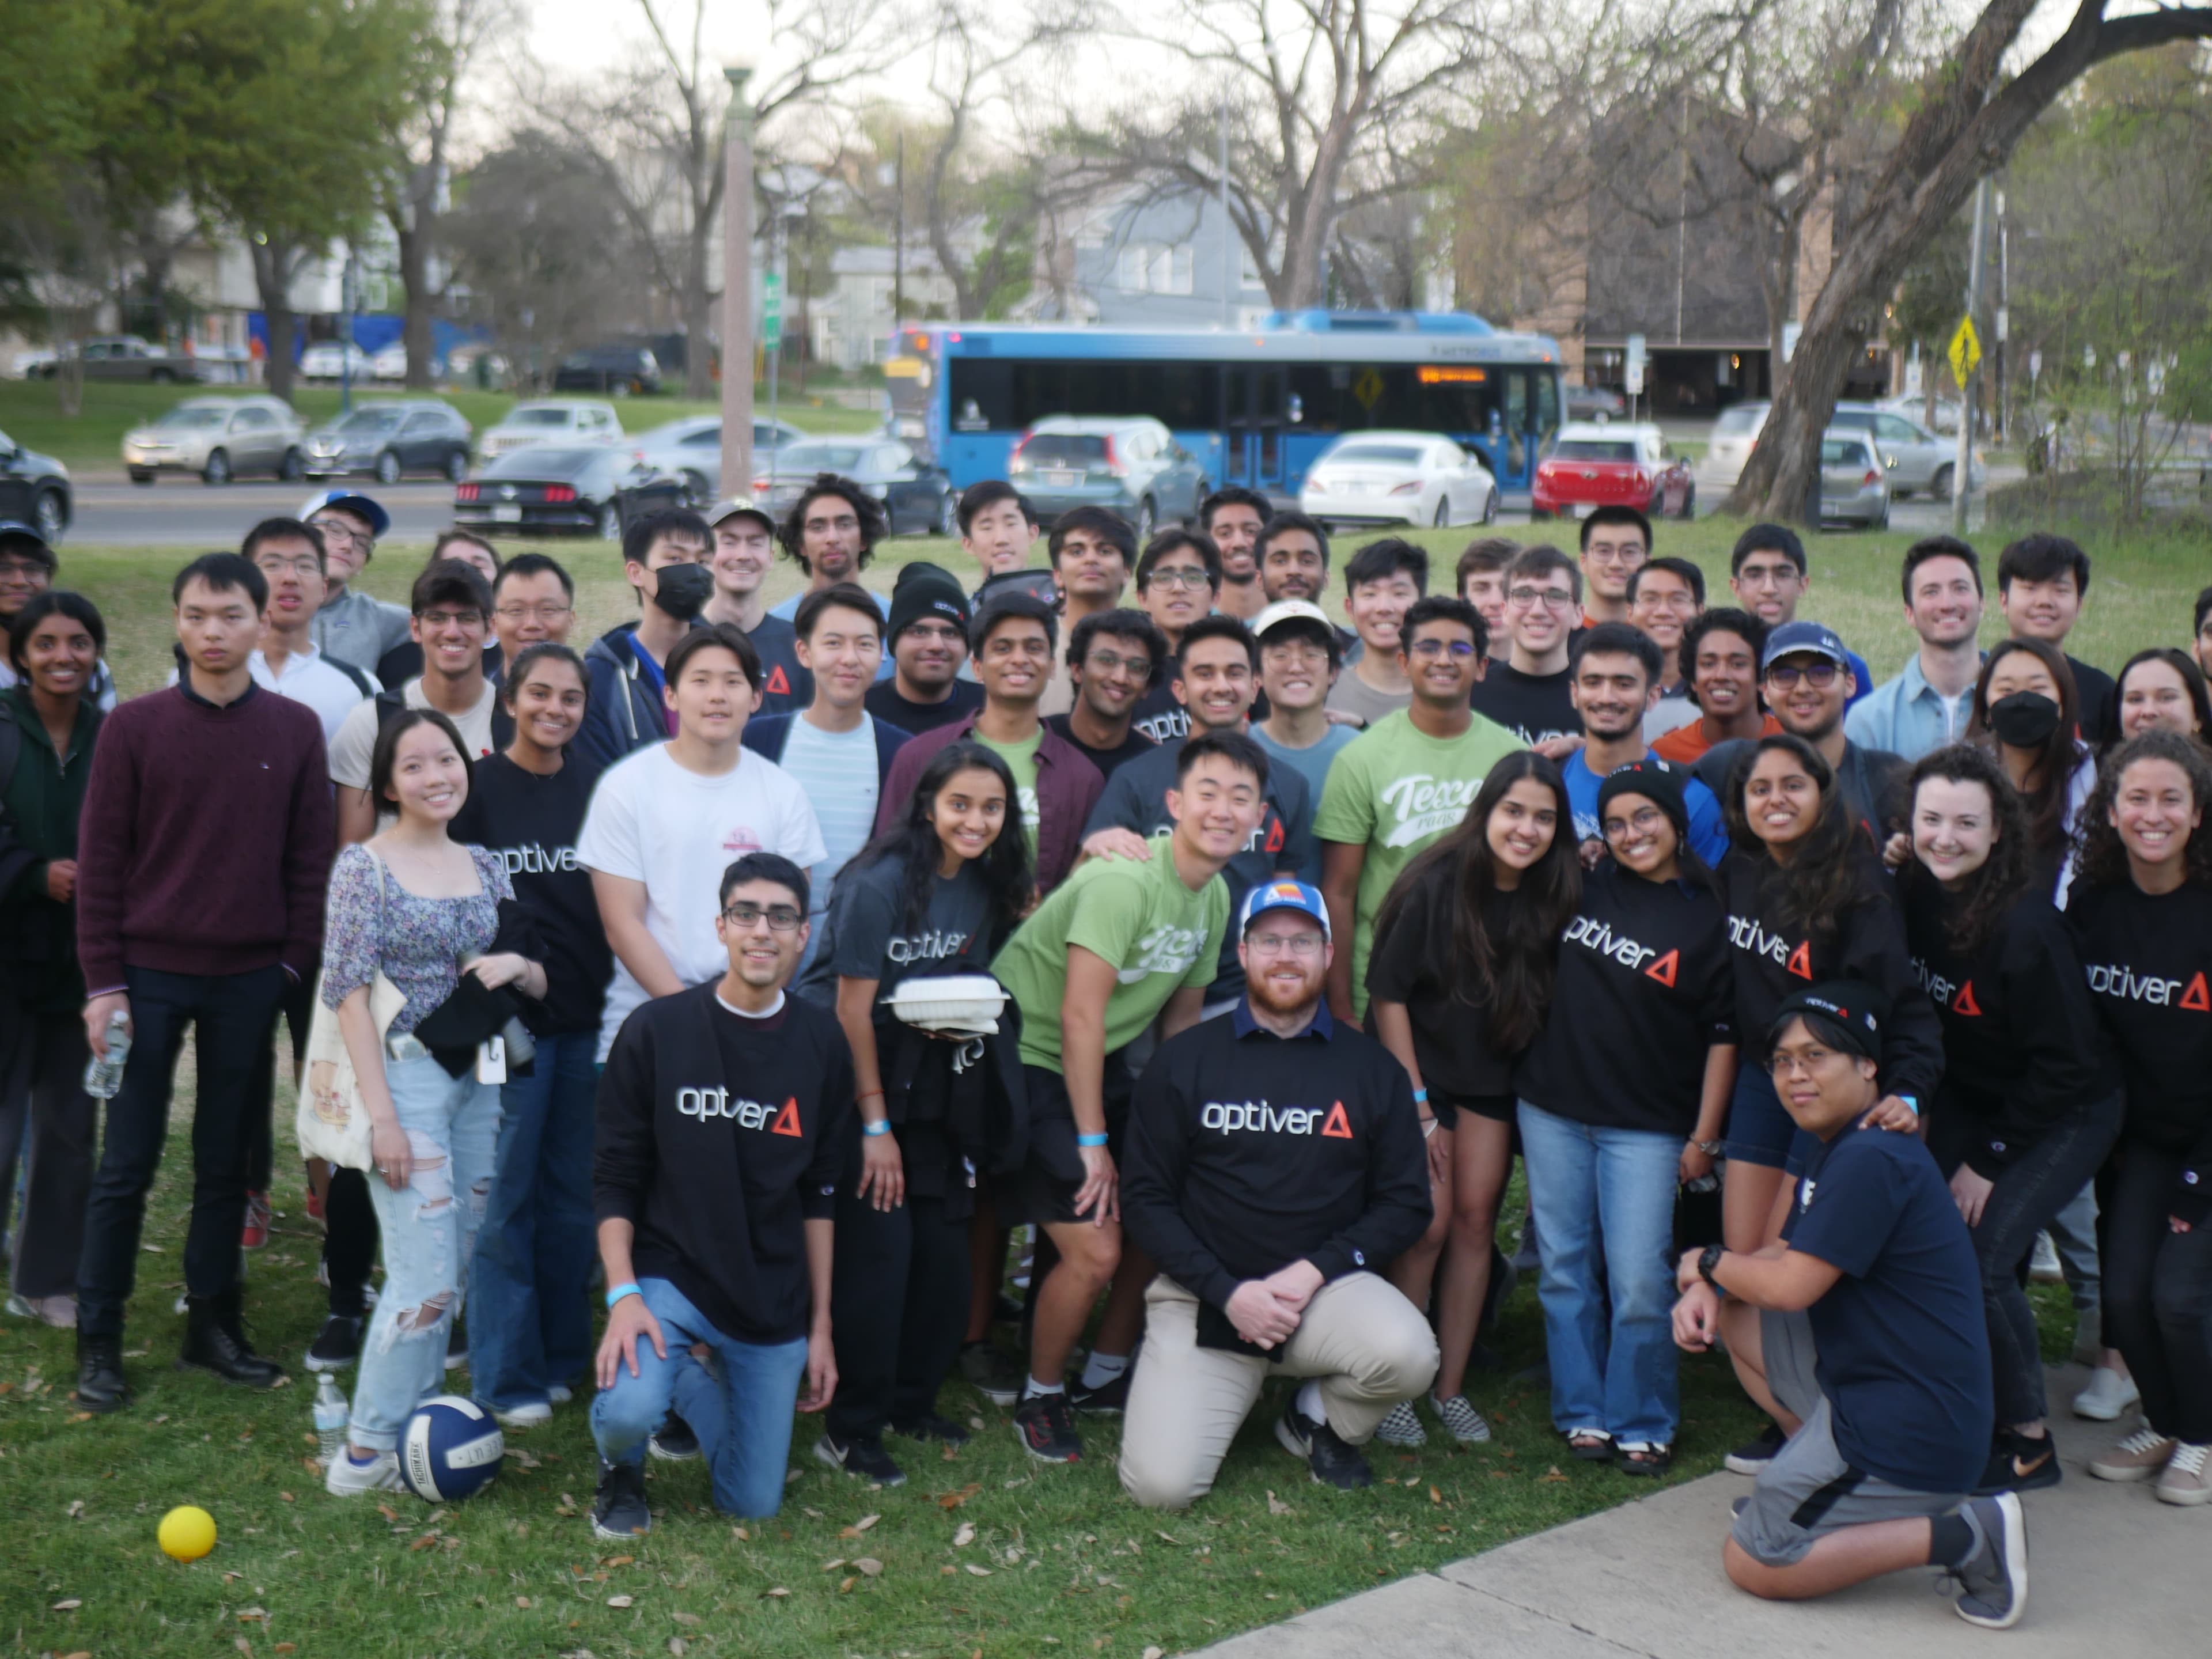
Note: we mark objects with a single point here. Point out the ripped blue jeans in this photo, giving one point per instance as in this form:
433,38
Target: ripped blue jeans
429,1229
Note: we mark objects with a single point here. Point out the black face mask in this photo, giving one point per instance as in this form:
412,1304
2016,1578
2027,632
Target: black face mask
683,590
2024,720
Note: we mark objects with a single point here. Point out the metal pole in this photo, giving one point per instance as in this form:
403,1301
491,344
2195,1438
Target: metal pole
348,284
1962,468
1228,232
737,291
898,245
2003,421
775,352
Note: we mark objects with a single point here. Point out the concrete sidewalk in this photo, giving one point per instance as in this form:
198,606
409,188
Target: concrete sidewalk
2110,1568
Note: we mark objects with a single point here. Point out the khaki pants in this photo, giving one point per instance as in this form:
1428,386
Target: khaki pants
1369,1347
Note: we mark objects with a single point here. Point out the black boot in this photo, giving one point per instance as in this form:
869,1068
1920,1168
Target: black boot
215,1341
100,1384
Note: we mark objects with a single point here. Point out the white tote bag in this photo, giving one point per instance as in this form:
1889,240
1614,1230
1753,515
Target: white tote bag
332,1123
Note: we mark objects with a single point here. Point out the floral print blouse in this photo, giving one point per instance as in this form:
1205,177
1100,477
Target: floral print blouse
418,942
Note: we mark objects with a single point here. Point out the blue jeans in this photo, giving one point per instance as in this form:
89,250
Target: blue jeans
428,1228
743,1419
530,1317
1612,1190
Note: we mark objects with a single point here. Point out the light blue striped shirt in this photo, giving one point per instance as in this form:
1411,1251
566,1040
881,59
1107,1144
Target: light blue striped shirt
837,772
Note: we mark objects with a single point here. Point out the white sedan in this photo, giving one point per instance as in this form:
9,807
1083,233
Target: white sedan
1399,477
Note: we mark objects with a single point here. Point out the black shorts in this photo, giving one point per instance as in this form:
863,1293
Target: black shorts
1446,1109
1043,1191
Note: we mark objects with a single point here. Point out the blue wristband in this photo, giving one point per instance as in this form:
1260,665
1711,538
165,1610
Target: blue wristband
616,1292
882,1126
1091,1140
1914,1101
1420,1096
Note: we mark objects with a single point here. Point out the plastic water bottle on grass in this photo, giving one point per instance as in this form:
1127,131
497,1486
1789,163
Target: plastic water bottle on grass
331,1414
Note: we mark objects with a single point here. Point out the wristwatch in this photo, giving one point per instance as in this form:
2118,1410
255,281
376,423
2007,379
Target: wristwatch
1709,1258
1710,1148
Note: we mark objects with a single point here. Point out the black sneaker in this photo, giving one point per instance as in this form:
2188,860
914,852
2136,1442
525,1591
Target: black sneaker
619,1510
1331,1462
988,1373
674,1442
1107,1399
1993,1580
930,1426
1045,1428
863,1456
2020,1464
337,1345
100,1384
1754,1455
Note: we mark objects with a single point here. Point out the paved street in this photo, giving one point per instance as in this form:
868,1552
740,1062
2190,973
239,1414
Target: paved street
185,512
2111,1565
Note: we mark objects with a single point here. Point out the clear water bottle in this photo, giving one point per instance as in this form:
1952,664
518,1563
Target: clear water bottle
331,1414
102,1077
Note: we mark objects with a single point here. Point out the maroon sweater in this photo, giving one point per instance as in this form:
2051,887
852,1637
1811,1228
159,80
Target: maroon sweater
205,845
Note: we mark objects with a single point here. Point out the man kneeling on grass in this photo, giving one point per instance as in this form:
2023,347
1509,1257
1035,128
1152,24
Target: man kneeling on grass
725,1112
1875,1272
1273,1156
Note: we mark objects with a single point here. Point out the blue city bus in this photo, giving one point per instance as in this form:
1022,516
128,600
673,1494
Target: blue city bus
1257,408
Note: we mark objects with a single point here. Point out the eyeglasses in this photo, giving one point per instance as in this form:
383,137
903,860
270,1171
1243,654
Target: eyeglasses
1105,662
21,570
1644,819
548,612
1818,675
780,918
1179,576
1552,599
306,565
1766,576
1276,945
1460,648
334,531
451,619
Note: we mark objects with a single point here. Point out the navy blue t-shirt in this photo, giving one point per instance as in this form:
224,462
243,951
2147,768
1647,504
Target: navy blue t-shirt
1905,1352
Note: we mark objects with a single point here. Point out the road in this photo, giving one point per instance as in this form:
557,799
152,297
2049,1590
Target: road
185,512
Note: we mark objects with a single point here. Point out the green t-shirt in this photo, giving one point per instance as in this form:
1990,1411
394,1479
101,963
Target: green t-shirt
1138,915
1394,790
1021,760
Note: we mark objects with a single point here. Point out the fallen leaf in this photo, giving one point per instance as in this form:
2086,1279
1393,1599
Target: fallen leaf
522,1601
251,1615
858,1525
622,1601
816,1514
1276,1506
965,1536
388,1512
618,1560
244,1647
869,1566
685,1617
287,1647
1552,1473
1435,1497
677,1646
76,1508
1164,1538
974,1422
953,1500
778,1591
978,1572
80,1417
1154,1653
832,1566
845,1585
286,1496
69,1605
743,1537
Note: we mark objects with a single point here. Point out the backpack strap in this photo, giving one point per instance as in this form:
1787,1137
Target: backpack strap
362,681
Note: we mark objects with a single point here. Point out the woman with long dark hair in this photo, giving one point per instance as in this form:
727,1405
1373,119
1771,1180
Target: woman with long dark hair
1808,902
1466,945
2142,918
1622,1098
2026,713
937,895
2030,1101
2159,687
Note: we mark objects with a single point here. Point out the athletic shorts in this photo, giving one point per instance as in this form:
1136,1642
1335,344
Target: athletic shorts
1043,1190
1807,1489
1760,1127
1499,1109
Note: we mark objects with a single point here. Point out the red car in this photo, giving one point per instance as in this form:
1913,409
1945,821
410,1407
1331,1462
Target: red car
1613,465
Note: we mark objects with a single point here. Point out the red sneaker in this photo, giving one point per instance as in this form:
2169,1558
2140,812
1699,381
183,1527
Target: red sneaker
255,1233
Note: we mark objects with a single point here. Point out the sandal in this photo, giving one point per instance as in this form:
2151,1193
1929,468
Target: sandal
1591,1445
1644,1457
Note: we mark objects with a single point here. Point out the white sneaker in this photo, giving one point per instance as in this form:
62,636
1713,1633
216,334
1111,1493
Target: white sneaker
528,1415
347,1479
2046,1268
2107,1397
560,1393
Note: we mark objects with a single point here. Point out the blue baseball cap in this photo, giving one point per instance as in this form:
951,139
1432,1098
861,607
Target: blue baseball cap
1795,638
1283,895
350,501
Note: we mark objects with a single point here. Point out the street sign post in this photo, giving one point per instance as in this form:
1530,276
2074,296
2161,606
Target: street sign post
1632,373
1965,351
771,332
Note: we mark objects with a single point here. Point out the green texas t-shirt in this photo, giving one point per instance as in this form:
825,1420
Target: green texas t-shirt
1159,935
1021,759
1394,790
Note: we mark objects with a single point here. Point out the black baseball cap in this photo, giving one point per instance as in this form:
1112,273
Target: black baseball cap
16,537
1855,1014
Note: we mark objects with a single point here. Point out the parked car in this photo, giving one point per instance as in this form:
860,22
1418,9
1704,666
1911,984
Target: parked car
30,365
218,438
566,422
918,497
1914,407
692,448
1600,404
390,363
1736,433
1853,491
588,491
1614,465
330,359
122,357
617,371
1914,458
461,364
388,439
34,489
1398,478
1131,464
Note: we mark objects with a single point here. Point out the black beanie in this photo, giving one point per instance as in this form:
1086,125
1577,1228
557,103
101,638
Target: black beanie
1657,782
925,590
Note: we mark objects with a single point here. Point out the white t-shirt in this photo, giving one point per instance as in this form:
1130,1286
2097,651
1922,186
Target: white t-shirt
355,741
311,678
652,821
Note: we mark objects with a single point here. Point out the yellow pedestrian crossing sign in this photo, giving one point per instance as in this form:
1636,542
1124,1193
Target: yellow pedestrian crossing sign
1965,351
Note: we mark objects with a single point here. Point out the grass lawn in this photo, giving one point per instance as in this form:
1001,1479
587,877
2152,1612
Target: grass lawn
1057,1561
30,413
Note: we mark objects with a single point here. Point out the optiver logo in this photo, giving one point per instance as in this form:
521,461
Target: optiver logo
1257,1117
704,1103
1746,934
2118,980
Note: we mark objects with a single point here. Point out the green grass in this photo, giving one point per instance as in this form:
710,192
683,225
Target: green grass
30,413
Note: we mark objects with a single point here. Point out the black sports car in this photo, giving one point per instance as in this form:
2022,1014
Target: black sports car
581,491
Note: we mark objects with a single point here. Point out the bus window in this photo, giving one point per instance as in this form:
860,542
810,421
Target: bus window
1547,409
1517,422
1012,394
1408,397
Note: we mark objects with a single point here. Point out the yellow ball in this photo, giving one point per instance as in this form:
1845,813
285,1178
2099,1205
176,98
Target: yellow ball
187,1533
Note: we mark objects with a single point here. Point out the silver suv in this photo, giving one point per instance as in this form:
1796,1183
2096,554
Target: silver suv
1911,457
218,438
1131,464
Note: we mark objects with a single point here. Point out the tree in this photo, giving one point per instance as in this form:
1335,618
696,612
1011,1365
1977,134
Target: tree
1966,120
658,134
1317,95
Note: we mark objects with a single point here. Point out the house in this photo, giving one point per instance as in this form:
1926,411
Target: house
1134,256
